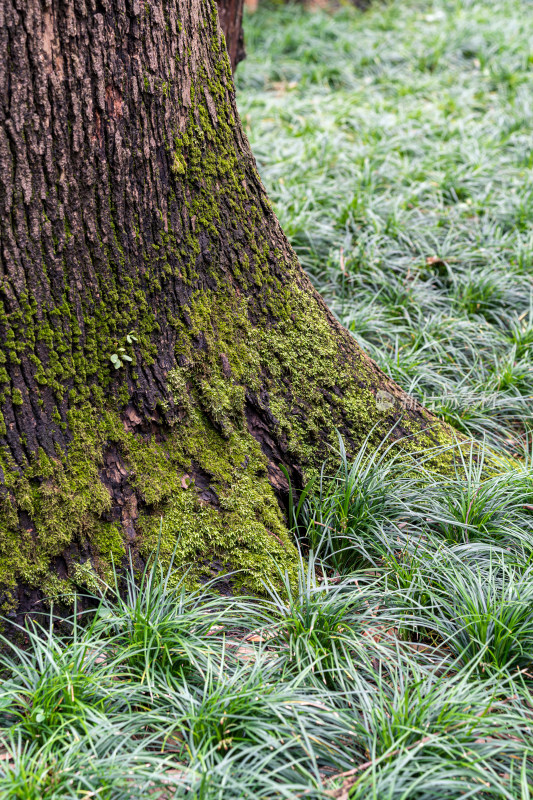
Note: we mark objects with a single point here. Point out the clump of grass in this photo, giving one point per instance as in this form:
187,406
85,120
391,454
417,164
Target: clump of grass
484,613
473,507
60,769
314,625
251,711
57,685
157,624
344,518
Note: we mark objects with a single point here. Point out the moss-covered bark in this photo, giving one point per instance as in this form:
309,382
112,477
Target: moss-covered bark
162,351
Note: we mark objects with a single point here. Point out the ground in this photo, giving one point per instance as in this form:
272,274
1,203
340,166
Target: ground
396,147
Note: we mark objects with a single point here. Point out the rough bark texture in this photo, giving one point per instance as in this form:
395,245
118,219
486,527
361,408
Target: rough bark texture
230,16
162,352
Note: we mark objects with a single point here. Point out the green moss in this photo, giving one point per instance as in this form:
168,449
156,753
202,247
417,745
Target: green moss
16,397
178,165
63,497
108,544
57,590
246,533
85,576
177,385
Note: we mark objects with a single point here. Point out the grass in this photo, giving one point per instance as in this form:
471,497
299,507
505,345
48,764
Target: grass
395,146
403,669
399,666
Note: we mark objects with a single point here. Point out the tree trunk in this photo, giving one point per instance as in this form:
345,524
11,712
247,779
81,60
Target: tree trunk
230,16
163,353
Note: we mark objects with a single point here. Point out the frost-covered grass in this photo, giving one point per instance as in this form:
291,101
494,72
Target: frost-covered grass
397,148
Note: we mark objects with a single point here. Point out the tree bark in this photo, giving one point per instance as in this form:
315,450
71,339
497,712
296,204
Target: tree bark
162,351
230,16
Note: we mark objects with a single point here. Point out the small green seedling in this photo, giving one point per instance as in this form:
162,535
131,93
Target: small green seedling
118,358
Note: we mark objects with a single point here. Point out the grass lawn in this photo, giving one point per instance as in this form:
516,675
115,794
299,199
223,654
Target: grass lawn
397,146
